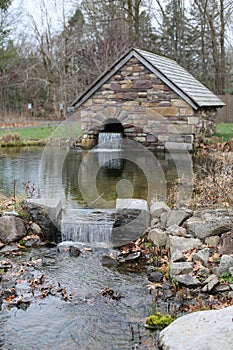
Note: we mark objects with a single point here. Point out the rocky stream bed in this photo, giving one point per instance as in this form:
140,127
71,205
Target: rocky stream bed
185,258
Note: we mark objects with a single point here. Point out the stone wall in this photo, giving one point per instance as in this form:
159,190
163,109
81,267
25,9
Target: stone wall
150,112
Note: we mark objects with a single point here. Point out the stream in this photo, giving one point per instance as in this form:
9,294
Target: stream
89,319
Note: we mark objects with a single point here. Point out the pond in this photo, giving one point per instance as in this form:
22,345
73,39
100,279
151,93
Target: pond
94,178
87,180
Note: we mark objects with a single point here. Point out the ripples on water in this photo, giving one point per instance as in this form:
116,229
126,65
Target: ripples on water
90,320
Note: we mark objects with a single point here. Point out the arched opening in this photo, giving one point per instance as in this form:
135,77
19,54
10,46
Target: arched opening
113,125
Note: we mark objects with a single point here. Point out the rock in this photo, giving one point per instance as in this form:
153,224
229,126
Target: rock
10,213
158,237
131,257
231,271
210,283
131,203
69,248
9,248
74,251
177,217
129,225
177,256
12,229
212,329
163,219
154,222
182,244
176,230
36,228
45,212
109,261
225,263
221,288
208,223
155,277
32,241
157,208
188,281
180,268
226,243
202,255
212,240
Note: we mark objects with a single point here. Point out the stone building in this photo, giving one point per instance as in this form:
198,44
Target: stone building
150,99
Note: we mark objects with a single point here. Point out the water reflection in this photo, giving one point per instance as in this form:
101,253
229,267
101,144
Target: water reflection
93,179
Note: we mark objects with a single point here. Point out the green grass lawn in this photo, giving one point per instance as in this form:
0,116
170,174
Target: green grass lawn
43,132
224,131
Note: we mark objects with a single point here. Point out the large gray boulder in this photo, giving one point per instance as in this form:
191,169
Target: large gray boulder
208,223
45,212
202,330
12,229
132,220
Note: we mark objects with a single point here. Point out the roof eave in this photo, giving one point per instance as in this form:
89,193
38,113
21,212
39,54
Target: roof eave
102,79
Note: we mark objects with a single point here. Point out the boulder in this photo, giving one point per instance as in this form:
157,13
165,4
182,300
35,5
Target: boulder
45,212
131,220
12,229
225,263
212,240
157,208
155,277
35,228
177,217
176,230
210,283
188,281
208,223
182,244
203,256
180,268
158,237
177,256
212,329
226,243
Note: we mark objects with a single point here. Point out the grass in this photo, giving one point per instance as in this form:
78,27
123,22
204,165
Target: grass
64,130
224,131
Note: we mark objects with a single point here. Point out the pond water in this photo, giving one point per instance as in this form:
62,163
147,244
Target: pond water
87,180
95,178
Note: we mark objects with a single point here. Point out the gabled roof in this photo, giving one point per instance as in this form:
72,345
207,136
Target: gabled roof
170,72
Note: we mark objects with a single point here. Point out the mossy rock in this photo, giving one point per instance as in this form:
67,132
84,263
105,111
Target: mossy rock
158,321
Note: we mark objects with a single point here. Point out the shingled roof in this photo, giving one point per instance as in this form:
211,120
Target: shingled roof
168,70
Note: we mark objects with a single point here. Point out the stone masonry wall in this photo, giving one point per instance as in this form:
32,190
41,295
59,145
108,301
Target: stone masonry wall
149,111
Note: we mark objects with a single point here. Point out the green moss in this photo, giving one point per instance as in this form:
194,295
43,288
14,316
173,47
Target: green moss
159,321
226,277
149,245
167,272
2,271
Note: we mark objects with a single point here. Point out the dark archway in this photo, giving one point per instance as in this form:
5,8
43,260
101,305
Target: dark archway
113,125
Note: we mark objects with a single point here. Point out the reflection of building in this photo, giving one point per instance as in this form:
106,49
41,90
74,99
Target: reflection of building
155,101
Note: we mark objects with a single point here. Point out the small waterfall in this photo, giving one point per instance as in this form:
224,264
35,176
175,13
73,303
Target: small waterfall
109,147
87,226
110,140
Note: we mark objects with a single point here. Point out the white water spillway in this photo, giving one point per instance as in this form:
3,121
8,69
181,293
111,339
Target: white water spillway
87,225
109,148
110,140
